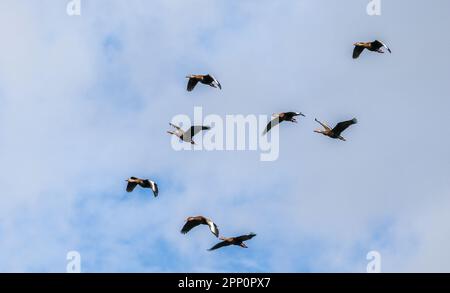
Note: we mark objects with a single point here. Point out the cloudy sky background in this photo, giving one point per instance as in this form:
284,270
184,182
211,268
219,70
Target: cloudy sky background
85,102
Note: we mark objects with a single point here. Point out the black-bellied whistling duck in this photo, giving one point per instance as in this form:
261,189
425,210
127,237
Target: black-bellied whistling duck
205,79
193,222
188,134
375,46
278,118
144,183
337,130
239,241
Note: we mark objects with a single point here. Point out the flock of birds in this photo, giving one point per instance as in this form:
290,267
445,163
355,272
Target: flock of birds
187,135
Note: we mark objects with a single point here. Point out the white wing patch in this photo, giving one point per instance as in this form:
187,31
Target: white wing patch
216,82
213,228
154,187
384,45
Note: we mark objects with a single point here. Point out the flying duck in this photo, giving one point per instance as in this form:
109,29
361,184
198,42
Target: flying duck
278,118
188,134
193,222
239,241
205,79
337,130
375,46
144,183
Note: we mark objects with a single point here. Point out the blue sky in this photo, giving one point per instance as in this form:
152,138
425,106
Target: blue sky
85,102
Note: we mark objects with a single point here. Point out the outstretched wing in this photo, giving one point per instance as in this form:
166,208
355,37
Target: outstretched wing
245,237
190,225
154,188
341,126
191,84
213,227
214,81
131,186
290,115
174,126
219,245
377,45
274,122
196,129
357,51
323,124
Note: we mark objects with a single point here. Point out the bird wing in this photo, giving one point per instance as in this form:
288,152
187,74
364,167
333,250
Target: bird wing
154,188
323,125
213,227
209,79
215,81
378,44
341,126
272,123
189,225
357,51
387,48
191,84
219,245
131,186
292,114
174,126
196,129
245,237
